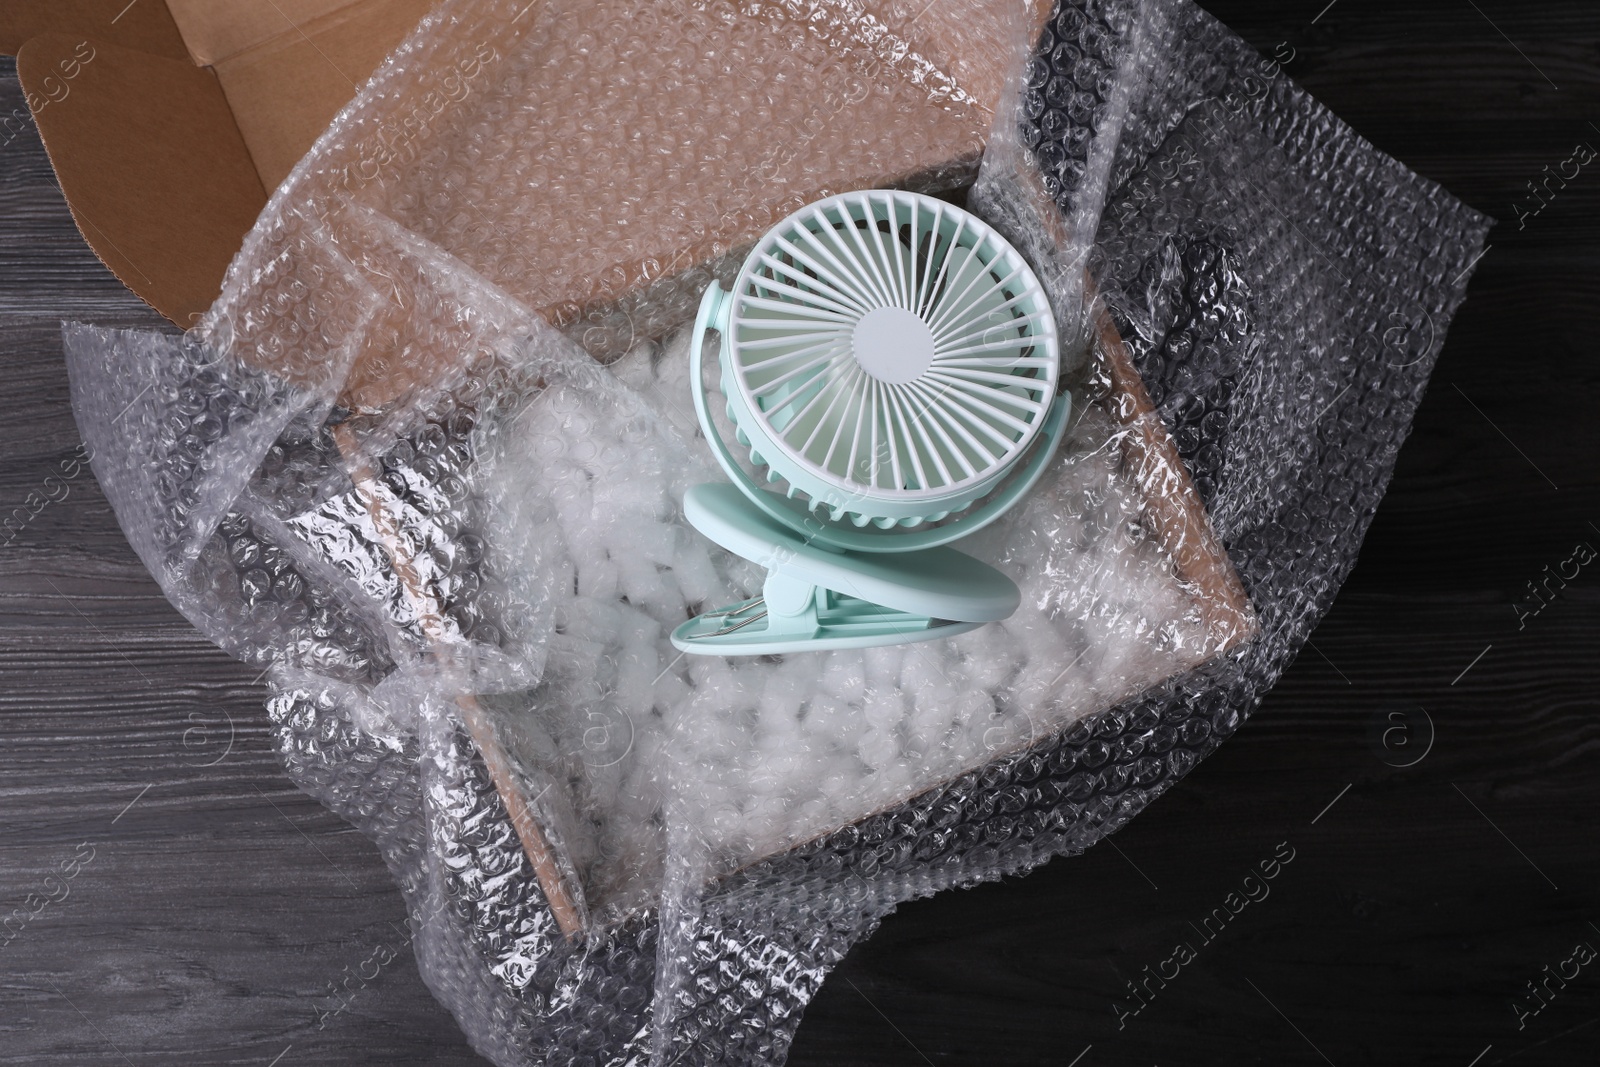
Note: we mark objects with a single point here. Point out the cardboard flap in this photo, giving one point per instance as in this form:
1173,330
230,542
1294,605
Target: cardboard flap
151,162
145,25
217,29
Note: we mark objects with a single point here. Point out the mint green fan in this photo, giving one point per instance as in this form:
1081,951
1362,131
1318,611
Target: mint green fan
891,368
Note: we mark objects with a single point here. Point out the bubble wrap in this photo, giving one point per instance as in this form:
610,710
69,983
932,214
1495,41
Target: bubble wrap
386,468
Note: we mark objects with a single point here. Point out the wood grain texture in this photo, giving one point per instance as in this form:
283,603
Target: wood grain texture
222,907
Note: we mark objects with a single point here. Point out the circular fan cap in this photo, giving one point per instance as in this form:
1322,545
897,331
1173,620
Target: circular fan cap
889,356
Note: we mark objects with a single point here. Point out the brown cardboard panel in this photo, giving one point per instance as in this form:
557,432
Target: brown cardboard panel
217,29
285,91
145,25
151,163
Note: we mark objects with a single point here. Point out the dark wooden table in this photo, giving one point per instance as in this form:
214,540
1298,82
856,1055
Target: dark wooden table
217,916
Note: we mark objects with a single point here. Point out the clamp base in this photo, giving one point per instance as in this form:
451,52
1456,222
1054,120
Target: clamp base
815,598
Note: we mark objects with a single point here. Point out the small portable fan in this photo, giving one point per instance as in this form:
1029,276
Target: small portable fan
891,364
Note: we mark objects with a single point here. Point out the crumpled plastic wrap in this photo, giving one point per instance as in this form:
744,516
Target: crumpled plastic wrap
387,467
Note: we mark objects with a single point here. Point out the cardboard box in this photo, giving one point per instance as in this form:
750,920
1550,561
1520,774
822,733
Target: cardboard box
169,123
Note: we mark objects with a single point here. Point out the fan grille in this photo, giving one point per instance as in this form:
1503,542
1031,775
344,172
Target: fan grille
892,348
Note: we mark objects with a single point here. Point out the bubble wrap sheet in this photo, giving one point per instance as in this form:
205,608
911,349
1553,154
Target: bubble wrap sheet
387,467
